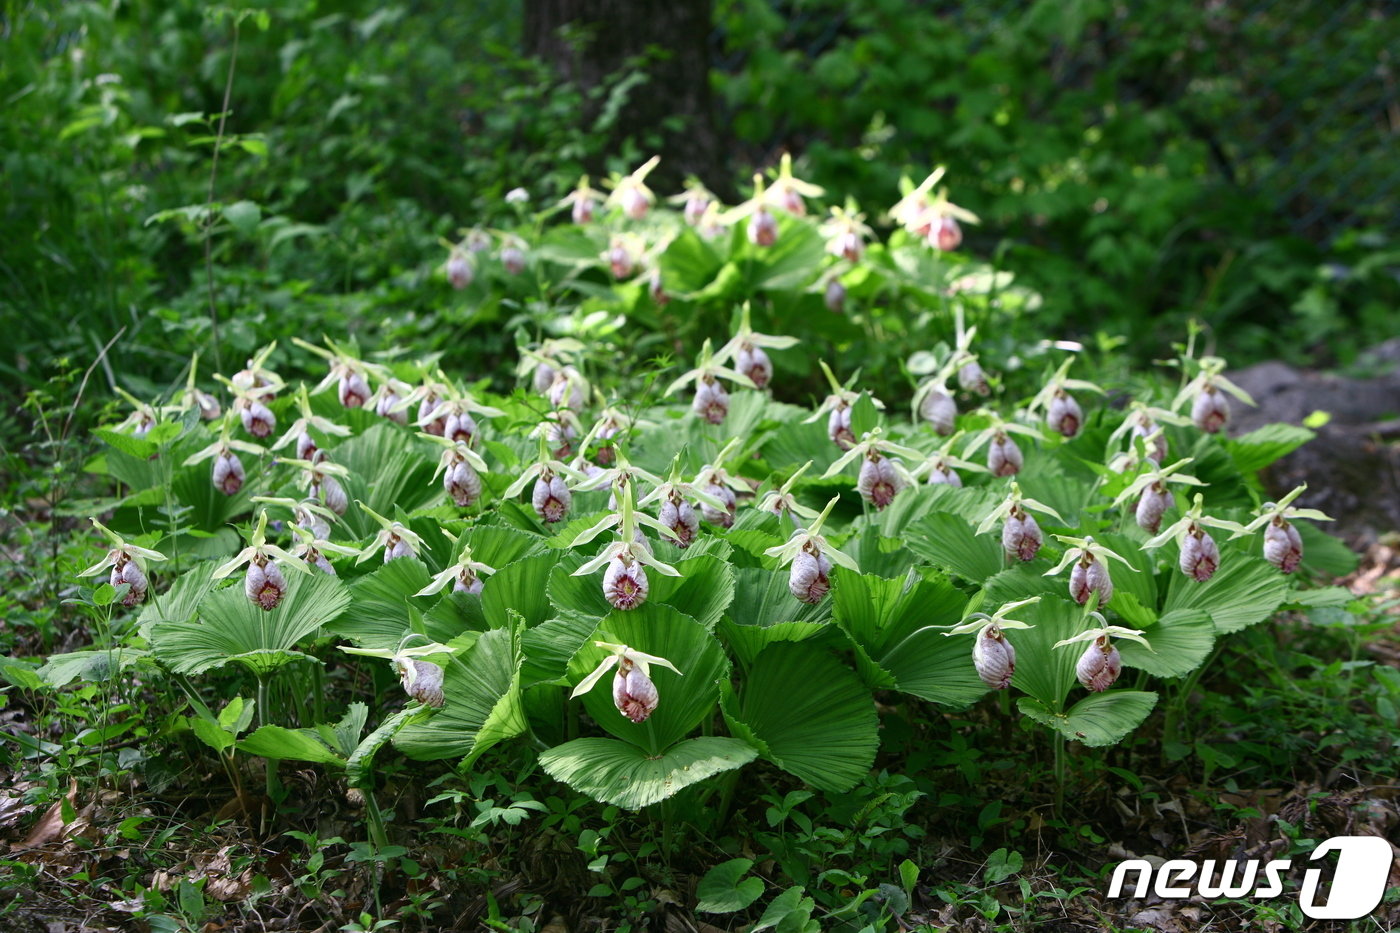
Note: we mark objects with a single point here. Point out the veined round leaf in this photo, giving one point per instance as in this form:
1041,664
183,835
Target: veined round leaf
182,601
764,611
550,646
483,703
377,616
229,627
621,773
389,469
1142,584
898,625
520,586
684,699
952,545
1098,719
1181,641
1042,670
814,717
1245,590
724,889
1323,553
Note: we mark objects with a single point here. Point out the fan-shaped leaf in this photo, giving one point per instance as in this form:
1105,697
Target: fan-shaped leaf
624,774
1098,719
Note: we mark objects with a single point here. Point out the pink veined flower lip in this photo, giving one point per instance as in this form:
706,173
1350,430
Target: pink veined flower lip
994,658
1283,546
1157,450
625,584
551,498
942,474
1088,576
972,379
1152,504
878,482
1004,457
1099,665
810,577
228,473
679,515
1211,410
751,361
762,228
384,408
459,270
711,401
462,483
513,259
838,427
1065,415
714,516
939,410
1200,556
634,694
835,296
354,391
397,547
264,584
257,419
1021,536
126,571
944,234
422,680
468,582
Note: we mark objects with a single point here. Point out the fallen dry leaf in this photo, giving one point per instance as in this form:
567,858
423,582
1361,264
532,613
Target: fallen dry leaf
50,825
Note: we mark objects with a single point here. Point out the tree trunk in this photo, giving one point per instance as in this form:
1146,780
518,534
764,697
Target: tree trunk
589,41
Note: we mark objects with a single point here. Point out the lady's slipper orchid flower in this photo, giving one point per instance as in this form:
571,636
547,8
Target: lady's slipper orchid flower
394,538
634,694
323,481
1152,492
1090,573
845,234
264,583
1144,421
881,476
711,401
992,653
582,202
256,375
625,583
458,268
300,431
1020,535
933,404
811,557
695,200
631,193
312,548
308,515
128,563
1200,557
941,463
1062,412
348,372
551,496
1101,664
676,511
782,500
228,474
1210,409
1283,546
837,408
718,484
1004,458
464,575
787,190
194,398
459,467
746,347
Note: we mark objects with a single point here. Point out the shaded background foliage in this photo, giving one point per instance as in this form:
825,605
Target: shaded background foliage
1134,162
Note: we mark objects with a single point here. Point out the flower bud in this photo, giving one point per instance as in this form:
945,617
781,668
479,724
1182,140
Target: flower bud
714,516
810,578
1200,557
754,363
460,427
318,560
459,269
939,410
944,475
421,680
513,258
972,379
397,547
679,516
1020,536
1210,410
789,200
313,523
544,377
944,234
257,418
1099,665
264,584
1282,546
711,401
426,408
551,498
762,229
462,483
1154,501
1089,575
1064,414
835,296
126,571
634,694
878,482
625,583
1004,457
228,473
468,582
208,405
354,390
847,245
994,658
838,427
